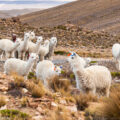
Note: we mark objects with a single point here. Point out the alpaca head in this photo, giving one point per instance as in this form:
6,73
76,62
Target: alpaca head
39,39
26,36
32,35
17,42
33,57
57,69
53,41
75,60
87,60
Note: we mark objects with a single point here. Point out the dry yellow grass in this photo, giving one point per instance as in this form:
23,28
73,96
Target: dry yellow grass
37,90
2,100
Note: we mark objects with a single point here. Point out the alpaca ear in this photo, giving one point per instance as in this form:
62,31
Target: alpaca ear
74,54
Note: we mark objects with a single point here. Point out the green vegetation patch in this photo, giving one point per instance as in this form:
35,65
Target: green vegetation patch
115,74
93,62
60,53
14,114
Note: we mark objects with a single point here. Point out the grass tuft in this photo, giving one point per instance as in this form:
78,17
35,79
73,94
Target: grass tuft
2,100
82,101
37,90
14,115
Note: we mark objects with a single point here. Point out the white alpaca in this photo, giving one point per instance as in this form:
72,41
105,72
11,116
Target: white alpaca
92,78
23,46
87,60
19,66
43,50
32,47
116,53
52,45
9,47
46,70
32,35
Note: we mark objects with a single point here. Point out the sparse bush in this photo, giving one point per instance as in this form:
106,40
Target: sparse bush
2,100
111,105
58,84
60,53
14,115
115,74
82,101
61,27
18,82
59,114
37,90
31,76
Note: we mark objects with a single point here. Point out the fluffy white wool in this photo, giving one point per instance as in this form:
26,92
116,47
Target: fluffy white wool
19,66
9,47
43,50
91,78
116,53
23,46
45,70
52,45
32,47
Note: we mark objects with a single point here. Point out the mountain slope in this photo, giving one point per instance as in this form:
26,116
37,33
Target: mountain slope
94,14
16,12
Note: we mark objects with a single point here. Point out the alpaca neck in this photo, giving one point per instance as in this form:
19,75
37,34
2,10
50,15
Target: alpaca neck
37,47
29,65
79,73
14,47
25,43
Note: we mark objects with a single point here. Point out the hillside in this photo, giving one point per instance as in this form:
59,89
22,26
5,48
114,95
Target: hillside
93,14
4,15
15,12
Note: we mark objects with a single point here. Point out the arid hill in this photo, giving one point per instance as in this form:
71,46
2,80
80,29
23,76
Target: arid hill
16,12
93,14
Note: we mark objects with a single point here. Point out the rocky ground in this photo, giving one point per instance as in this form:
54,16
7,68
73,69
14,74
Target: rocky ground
53,104
70,37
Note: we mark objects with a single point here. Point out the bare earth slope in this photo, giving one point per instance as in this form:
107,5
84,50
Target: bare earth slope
94,14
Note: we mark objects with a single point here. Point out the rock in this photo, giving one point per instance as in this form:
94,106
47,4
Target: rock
38,118
63,102
72,108
25,90
39,109
3,107
53,104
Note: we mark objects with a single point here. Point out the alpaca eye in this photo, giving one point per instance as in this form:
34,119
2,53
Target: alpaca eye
72,57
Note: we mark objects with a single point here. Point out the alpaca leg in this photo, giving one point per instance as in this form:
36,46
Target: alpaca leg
12,55
19,55
1,56
23,56
107,92
25,77
118,64
7,55
93,91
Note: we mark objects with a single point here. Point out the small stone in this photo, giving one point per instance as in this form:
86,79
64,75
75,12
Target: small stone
63,102
24,90
3,107
53,104
72,108
37,117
